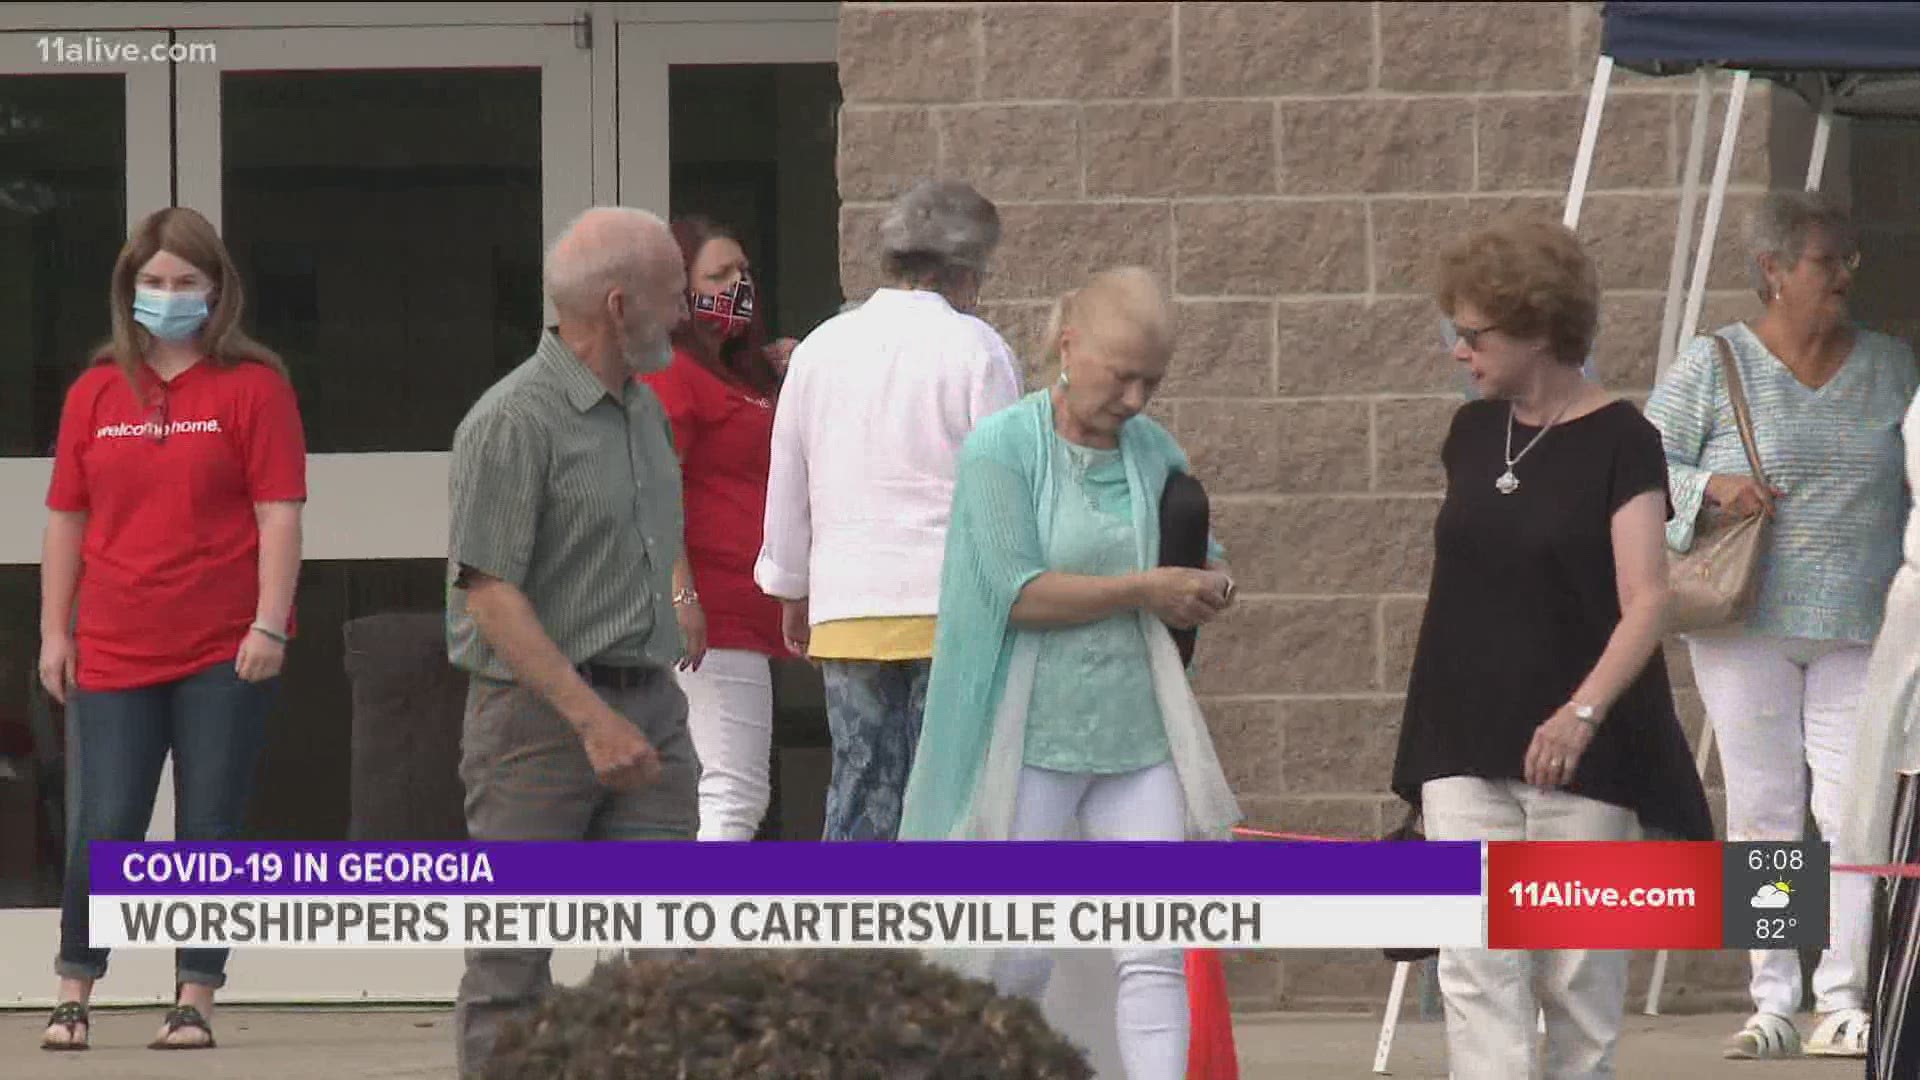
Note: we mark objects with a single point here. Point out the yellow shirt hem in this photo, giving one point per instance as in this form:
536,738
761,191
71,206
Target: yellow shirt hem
907,637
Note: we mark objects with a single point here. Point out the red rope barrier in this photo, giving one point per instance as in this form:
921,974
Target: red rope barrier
1897,870
1892,870
1264,835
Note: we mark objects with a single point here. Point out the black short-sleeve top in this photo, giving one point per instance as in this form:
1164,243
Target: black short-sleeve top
1523,601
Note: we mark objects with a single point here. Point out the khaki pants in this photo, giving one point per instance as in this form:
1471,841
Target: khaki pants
1493,996
527,778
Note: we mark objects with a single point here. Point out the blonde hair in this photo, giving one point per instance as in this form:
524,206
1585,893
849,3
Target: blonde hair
1124,304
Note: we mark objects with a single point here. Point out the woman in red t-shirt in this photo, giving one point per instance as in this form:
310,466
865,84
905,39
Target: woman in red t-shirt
167,580
719,395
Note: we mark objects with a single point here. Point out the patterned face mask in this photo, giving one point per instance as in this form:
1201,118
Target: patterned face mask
729,311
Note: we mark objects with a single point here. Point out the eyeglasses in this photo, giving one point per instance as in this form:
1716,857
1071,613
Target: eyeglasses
1851,261
1454,332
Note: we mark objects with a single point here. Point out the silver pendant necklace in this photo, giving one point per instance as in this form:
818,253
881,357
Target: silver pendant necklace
1508,483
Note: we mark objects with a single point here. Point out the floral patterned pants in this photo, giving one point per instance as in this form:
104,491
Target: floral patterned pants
873,712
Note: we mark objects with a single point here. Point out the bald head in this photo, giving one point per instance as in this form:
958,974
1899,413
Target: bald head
616,273
606,248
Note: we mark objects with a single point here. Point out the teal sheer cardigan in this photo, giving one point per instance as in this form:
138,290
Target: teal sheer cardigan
966,770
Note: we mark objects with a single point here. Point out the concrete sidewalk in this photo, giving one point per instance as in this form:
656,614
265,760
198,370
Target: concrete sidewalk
296,1044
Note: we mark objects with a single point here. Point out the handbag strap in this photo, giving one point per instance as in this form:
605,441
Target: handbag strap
1741,416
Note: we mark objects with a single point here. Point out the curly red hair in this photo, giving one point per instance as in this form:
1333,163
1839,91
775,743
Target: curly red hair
1531,278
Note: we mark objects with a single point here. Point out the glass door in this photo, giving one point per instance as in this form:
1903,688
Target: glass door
387,194
84,150
733,118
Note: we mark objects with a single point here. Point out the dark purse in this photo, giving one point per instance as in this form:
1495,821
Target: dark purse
1184,525
1408,830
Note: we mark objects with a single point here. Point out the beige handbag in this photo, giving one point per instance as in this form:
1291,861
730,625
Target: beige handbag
1713,584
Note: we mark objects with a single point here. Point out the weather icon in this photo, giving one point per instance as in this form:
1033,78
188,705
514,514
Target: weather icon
1773,896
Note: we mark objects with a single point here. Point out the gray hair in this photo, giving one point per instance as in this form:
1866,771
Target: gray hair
604,248
1783,222
939,225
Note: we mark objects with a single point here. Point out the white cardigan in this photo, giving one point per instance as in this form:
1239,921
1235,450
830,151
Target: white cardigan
1887,742
875,405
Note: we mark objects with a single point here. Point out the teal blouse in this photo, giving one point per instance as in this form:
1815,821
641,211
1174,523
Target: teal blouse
999,540
1835,451
1093,708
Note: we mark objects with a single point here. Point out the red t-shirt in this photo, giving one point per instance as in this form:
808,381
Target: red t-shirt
724,435
170,563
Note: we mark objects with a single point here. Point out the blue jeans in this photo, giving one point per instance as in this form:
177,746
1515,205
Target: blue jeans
873,712
214,723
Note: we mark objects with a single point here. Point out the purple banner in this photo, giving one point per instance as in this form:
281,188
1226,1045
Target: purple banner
1081,868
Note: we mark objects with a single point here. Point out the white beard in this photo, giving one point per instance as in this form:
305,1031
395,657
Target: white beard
644,356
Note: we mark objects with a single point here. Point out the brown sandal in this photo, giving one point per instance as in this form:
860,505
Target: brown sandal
183,1016
71,1015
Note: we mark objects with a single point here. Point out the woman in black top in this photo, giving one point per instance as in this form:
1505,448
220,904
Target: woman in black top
1539,707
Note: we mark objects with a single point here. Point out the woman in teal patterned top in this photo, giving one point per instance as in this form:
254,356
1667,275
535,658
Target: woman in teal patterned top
1057,707
1782,689
1094,713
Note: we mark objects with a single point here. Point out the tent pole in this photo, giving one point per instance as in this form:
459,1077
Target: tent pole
1395,995
1658,981
1716,202
1589,137
1696,297
1683,226
1817,161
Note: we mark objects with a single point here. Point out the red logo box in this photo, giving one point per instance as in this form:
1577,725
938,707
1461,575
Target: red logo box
1602,895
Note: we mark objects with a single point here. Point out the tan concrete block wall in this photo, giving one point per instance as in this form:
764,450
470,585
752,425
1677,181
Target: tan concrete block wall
1289,170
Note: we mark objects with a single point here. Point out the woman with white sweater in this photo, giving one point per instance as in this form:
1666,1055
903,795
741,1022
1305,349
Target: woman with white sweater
876,403
1883,824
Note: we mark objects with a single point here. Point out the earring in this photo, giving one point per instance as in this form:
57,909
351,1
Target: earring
1063,378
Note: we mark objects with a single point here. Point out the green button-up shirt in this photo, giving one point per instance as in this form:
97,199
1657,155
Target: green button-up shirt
574,497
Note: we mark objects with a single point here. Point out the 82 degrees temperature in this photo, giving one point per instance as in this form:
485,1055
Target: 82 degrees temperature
1773,929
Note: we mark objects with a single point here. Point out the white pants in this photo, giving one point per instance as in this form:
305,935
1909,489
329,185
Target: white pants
1152,1014
730,715
1494,997
1781,708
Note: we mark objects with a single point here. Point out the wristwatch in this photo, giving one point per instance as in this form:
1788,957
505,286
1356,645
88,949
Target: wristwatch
1586,714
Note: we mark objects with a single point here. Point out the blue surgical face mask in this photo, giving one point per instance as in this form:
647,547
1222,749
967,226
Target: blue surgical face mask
170,316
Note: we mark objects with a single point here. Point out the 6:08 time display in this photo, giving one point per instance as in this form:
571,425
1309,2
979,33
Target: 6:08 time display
1779,859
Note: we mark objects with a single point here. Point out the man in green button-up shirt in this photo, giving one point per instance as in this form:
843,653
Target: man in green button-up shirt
567,599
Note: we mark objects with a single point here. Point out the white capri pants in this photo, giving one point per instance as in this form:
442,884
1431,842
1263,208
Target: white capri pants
1152,1017
730,716
1783,709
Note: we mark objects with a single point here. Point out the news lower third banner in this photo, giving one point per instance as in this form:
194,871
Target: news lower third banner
1291,895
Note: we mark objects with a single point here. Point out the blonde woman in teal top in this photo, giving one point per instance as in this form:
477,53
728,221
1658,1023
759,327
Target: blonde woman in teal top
1782,689
1057,707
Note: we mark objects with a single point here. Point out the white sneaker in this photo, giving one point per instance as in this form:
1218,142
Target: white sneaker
1766,1037
1842,1033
